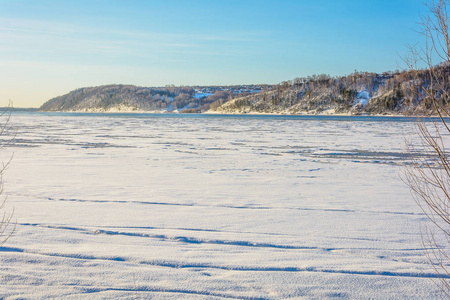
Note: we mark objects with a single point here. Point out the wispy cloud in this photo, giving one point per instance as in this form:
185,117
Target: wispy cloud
22,35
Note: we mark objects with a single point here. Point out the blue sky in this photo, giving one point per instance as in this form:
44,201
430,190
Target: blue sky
49,48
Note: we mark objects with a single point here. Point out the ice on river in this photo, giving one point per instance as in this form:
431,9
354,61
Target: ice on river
211,208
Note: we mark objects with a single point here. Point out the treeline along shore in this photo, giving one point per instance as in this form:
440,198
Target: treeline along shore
389,93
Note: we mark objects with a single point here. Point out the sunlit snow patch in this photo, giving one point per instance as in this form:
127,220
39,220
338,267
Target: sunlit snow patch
202,95
362,98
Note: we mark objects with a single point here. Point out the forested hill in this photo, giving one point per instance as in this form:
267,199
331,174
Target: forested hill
126,98
358,93
111,98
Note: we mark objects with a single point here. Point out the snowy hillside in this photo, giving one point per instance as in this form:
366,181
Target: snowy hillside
358,93
130,98
398,93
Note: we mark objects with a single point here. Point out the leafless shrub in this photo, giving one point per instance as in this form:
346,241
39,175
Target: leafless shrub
7,227
429,175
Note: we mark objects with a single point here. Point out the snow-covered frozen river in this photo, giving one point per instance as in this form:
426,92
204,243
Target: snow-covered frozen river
211,208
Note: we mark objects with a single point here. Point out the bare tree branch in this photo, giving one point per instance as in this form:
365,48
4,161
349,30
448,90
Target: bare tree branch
7,227
429,175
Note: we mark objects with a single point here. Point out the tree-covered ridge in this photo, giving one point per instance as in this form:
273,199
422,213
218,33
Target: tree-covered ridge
358,93
110,98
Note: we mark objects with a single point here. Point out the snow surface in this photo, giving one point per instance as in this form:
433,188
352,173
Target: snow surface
363,98
198,95
211,208
170,106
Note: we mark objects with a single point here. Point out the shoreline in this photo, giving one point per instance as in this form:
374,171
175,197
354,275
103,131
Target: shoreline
230,113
